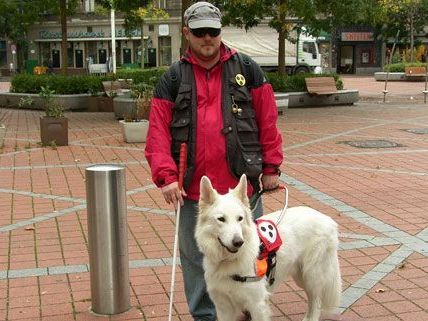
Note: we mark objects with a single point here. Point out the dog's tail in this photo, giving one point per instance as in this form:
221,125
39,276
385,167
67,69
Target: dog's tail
321,273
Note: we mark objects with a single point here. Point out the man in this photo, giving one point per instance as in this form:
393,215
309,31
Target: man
220,104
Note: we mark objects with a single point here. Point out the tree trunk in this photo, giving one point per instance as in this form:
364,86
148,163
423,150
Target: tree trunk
184,5
412,40
281,42
142,44
63,17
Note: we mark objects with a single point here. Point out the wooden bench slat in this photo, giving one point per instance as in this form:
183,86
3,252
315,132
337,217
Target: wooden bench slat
415,71
321,85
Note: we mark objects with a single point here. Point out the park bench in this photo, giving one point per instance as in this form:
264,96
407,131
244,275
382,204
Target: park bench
415,72
112,88
321,85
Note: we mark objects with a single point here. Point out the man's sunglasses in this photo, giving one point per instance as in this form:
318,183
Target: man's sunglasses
201,32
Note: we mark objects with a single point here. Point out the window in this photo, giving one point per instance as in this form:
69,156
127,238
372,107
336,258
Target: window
162,4
3,53
309,47
89,6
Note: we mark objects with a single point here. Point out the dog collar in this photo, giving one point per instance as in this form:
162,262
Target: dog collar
239,278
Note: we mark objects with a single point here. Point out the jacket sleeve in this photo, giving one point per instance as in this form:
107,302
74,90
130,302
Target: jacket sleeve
158,144
266,116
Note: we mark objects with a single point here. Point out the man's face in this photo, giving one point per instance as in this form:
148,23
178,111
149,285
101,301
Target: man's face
204,42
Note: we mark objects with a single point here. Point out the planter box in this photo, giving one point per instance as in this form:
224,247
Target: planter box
68,102
123,106
134,132
105,104
2,134
54,130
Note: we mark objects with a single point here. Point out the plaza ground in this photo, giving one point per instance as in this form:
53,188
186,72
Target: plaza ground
378,196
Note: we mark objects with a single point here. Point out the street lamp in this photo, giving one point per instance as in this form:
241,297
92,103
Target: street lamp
113,36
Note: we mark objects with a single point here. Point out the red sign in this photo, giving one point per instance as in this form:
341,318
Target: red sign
357,36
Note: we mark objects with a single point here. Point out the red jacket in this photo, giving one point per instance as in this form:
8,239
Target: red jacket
210,157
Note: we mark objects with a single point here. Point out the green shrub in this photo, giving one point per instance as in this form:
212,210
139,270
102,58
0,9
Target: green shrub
400,67
296,83
148,76
62,85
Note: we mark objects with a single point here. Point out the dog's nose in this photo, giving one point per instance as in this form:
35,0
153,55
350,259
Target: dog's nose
237,241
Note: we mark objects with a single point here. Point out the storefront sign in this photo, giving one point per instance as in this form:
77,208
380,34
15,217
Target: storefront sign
357,36
44,34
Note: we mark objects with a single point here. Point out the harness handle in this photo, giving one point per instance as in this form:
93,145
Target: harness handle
256,199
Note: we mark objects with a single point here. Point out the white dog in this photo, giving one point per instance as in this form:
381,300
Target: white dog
227,236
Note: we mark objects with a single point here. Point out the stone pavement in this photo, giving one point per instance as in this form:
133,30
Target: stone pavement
378,196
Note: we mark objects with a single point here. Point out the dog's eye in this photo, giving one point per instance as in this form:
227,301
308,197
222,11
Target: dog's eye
221,219
240,218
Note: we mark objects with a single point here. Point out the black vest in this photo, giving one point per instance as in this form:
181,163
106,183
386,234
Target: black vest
243,149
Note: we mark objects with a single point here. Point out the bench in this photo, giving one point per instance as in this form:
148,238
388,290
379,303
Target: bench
321,85
112,88
415,72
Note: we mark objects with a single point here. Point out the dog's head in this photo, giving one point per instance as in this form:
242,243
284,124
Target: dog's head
224,225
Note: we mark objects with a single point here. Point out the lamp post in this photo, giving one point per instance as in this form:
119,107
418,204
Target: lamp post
113,36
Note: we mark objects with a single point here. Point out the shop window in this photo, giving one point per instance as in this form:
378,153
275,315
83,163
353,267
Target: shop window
3,53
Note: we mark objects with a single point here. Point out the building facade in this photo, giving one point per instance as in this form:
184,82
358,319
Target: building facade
89,40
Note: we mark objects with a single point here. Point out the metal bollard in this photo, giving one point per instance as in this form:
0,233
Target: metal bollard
107,238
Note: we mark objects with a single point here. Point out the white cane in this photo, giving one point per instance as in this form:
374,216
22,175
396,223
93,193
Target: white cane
181,170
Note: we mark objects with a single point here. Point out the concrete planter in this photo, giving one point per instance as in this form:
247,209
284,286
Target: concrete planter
392,76
2,134
303,99
124,106
69,102
134,132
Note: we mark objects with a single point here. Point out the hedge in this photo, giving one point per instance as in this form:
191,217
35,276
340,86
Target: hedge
296,83
400,67
62,85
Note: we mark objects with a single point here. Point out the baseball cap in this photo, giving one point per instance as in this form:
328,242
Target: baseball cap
202,15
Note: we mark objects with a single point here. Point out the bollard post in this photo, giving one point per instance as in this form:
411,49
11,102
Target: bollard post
107,238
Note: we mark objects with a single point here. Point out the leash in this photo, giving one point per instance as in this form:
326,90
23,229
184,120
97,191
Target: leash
181,170
256,200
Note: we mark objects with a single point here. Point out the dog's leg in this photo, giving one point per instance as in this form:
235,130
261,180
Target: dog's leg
314,309
260,312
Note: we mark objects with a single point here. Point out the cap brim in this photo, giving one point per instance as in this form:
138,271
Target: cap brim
205,24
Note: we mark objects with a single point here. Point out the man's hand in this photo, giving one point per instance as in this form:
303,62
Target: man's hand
270,181
172,194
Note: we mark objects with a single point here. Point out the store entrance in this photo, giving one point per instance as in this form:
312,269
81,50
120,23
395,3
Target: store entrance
346,60
56,58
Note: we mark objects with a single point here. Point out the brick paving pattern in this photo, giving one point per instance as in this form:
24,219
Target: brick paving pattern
378,196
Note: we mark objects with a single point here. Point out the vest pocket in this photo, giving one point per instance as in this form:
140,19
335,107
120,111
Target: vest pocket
184,97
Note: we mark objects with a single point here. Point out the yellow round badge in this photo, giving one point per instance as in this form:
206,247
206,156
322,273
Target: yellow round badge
240,80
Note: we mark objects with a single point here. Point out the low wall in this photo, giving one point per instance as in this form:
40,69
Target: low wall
303,99
69,102
392,76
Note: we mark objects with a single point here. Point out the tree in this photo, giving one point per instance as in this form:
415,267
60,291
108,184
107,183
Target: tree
17,16
406,16
286,15
136,17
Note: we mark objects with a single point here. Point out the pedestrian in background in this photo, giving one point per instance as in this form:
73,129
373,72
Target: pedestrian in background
219,103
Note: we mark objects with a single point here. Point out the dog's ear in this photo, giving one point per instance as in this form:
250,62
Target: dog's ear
208,194
240,191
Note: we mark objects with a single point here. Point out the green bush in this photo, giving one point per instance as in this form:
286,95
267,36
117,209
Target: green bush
148,76
62,85
296,83
400,67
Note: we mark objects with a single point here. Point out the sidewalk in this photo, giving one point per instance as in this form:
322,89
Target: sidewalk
378,196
